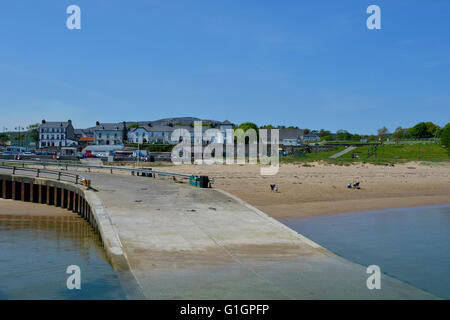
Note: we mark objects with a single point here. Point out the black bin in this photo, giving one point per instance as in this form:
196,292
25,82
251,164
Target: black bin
204,182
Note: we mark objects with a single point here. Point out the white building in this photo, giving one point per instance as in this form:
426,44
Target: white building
291,137
56,134
311,137
152,134
109,133
147,133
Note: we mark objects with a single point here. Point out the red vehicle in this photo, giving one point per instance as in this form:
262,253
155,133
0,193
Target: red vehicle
89,154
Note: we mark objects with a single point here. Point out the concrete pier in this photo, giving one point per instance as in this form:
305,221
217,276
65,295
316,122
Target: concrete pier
182,242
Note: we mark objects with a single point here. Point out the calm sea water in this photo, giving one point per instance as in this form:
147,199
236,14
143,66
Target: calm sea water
36,251
410,244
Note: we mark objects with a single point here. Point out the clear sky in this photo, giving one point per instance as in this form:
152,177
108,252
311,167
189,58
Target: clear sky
311,64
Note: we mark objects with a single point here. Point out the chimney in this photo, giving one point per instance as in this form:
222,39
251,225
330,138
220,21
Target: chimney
69,121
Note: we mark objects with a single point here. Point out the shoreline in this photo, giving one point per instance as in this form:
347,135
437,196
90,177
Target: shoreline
327,208
309,210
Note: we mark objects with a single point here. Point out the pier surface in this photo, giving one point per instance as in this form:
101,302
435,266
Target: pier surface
183,242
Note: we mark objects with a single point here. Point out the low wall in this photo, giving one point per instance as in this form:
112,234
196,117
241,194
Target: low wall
41,157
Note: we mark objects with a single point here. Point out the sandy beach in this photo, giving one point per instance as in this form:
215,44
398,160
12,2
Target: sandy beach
320,189
312,190
20,208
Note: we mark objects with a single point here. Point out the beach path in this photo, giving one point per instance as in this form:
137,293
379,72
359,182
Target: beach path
341,153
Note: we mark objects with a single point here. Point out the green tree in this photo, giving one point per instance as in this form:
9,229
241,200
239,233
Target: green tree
420,131
398,134
382,133
33,131
245,126
134,125
445,136
268,126
432,129
323,133
343,135
4,137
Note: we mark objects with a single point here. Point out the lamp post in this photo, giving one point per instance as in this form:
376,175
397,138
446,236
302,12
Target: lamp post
138,154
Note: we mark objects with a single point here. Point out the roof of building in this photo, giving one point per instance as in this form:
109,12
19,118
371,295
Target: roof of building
166,128
290,134
54,124
89,132
109,126
311,135
87,139
187,121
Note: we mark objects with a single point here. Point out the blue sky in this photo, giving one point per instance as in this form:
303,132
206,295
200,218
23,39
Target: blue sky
311,63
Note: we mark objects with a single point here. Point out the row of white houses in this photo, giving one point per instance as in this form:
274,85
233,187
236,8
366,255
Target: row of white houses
171,134
62,134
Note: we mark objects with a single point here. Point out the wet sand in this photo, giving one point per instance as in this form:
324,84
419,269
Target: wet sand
20,208
319,189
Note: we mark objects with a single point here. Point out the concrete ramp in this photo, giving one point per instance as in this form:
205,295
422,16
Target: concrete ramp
183,242
346,150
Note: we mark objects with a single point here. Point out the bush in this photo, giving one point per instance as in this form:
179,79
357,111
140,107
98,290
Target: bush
445,137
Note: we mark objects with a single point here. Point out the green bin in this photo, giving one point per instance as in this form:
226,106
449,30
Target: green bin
194,181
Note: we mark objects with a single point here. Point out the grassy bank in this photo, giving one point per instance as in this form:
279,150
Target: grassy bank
384,155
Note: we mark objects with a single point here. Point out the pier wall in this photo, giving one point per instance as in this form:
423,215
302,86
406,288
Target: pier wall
81,201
